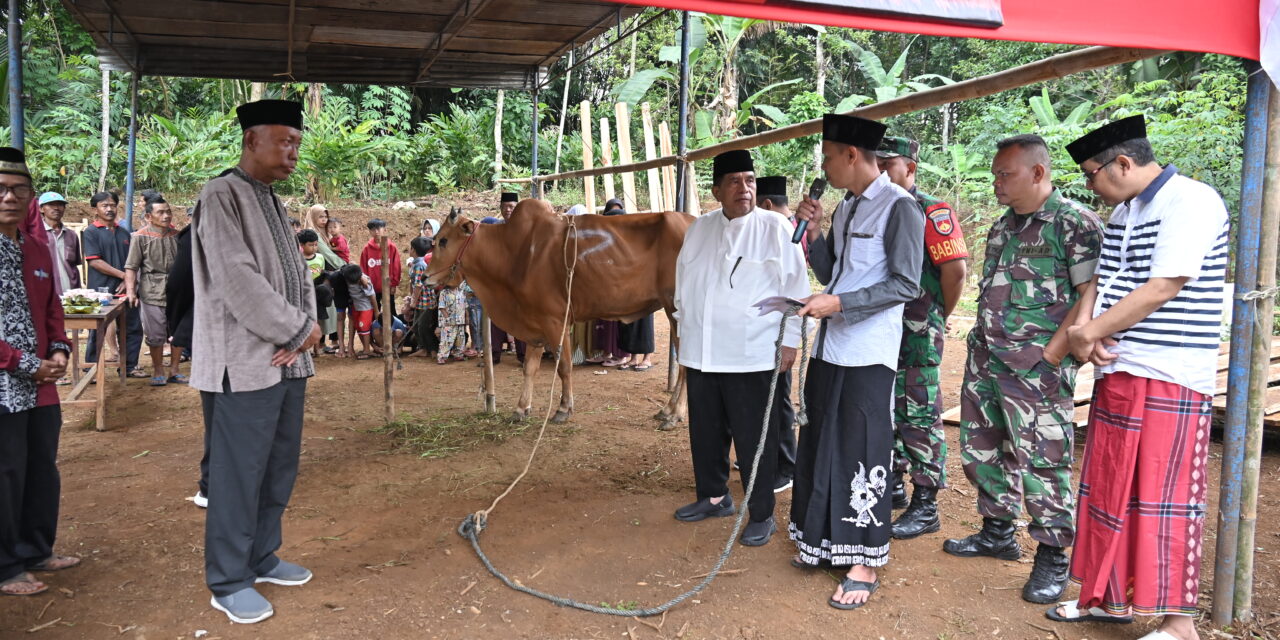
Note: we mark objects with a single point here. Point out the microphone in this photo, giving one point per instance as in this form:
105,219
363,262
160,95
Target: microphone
816,189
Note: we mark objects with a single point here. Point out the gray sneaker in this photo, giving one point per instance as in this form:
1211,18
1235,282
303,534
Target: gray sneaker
245,606
286,574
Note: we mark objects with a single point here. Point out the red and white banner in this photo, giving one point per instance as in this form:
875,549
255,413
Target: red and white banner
983,13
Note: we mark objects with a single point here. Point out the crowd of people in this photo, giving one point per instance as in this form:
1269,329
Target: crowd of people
257,297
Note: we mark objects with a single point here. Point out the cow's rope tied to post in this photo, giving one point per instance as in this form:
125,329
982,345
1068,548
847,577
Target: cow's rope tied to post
475,523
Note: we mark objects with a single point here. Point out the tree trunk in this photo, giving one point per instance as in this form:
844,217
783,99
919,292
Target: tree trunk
497,138
728,100
820,65
946,124
106,129
256,90
315,102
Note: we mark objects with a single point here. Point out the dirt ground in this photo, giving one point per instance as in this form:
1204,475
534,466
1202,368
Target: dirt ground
592,520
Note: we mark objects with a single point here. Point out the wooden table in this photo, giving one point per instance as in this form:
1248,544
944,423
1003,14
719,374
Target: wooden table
97,373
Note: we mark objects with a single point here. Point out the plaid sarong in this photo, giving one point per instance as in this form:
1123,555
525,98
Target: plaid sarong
1142,497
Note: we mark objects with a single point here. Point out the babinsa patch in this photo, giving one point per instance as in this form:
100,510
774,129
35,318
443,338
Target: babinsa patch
941,219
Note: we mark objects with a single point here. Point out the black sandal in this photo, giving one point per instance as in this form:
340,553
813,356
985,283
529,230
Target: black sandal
848,585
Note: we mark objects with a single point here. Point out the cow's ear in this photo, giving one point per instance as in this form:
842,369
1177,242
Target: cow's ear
467,225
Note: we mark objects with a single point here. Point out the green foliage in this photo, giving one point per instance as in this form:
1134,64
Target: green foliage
183,153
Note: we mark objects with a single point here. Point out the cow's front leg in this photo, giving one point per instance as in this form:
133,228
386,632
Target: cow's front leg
565,372
532,360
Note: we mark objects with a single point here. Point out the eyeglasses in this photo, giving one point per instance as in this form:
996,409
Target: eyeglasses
20,192
1090,175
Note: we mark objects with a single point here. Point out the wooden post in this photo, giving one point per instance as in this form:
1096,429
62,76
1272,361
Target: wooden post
651,152
106,129
691,205
388,358
486,352
668,172
497,137
606,158
589,182
1259,366
623,115
564,112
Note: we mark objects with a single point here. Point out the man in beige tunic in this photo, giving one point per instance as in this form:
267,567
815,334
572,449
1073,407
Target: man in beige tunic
255,324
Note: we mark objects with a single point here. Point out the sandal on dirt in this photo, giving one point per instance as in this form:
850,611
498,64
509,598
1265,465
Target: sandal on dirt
849,585
362,356
139,373
800,564
158,381
641,367
1071,613
330,350
56,563
179,379
14,586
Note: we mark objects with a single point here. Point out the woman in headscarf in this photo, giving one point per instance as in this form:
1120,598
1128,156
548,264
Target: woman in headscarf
317,219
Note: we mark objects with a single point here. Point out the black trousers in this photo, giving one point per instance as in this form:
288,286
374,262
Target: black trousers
730,407
30,488
786,433
133,339
254,441
497,337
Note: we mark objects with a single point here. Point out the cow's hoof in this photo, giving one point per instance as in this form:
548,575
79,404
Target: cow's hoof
518,416
663,415
560,417
669,423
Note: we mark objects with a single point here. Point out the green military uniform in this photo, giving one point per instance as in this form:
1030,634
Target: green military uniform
920,444
1016,415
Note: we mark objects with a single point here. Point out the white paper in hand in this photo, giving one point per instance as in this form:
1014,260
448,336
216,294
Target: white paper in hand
776,304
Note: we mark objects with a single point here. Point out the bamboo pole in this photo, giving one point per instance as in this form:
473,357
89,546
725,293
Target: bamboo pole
1242,320
486,352
1048,69
691,205
106,129
388,357
606,158
668,172
651,152
1259,366
623,115
564,112
588,183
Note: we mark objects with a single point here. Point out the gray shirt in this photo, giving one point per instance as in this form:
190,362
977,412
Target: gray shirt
252,293
361,297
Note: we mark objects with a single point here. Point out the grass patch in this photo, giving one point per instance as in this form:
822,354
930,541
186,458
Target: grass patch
439,436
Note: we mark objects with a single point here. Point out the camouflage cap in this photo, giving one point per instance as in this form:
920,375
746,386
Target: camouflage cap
894,146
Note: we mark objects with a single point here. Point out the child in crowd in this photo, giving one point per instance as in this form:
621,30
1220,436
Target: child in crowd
342,300
360,290
372,261
397,334
475,314
309,243
296,224
337,241
422,308
453,324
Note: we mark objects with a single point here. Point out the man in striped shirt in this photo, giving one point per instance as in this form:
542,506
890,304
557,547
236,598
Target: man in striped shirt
1152,335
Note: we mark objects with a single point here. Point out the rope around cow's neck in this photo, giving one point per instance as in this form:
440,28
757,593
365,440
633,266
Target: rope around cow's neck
474,524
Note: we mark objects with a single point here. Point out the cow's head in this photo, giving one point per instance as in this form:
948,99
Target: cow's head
453,237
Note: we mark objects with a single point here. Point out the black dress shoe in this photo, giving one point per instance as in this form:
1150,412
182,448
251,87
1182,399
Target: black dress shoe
758,533
782,484
703,509
899,492
921,516
995,540
1048,578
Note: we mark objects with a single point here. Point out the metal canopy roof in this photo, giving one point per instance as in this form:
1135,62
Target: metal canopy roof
501,44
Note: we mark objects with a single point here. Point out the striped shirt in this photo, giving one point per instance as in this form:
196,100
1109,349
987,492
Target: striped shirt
1176,228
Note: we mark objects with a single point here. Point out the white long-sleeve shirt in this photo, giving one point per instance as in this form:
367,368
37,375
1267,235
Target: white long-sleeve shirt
724,268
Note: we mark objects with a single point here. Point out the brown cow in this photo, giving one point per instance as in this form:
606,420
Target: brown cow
625,270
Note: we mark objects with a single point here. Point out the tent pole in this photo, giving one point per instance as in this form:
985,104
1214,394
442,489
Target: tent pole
682,135
1248,234
535,189
682,146
133,152
17,126
1264,307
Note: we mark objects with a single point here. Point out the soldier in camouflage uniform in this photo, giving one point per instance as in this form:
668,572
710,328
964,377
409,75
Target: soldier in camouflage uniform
1016,404
920,444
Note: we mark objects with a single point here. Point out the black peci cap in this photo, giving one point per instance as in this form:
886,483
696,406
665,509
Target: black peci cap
283,112
1107,136
852,130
